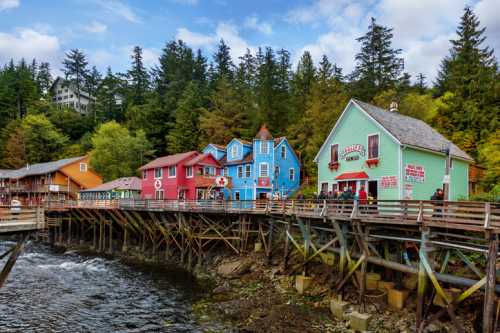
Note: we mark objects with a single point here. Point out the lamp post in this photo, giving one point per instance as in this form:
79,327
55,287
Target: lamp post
446,179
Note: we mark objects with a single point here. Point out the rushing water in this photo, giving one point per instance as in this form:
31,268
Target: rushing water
70,292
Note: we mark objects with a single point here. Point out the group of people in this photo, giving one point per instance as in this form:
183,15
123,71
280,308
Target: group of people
346,194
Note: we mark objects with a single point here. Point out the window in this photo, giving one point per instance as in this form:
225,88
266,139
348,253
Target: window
172,171
334,153
247,171
373,146
264,170
236,195
240,171
263,147
83,167
276,171
226,172
234,151
283,152
158,173
189,172
291,174
145,174
159,195
324,187
209,171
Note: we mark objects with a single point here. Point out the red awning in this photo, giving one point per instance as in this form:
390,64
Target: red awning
352,175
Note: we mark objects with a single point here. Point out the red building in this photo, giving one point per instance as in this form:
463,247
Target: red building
188,176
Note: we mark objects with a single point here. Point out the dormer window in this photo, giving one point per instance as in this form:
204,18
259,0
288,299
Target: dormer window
263,147
234,151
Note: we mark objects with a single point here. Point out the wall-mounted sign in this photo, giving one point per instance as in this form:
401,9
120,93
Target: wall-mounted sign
408,192
414,173
388,182
446,179
53,188
263,182
221,181
157,184
357,148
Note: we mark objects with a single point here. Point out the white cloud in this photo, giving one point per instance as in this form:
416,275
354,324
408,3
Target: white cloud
149,55
226,31
95,27
9,4
28,43
252,22
118,8
487,11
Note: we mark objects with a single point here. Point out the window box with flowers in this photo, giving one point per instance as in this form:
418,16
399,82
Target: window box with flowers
372,162
334,165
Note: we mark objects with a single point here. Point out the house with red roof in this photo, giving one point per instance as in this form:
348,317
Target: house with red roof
189,176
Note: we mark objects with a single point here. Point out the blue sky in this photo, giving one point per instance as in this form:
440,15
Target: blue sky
108,29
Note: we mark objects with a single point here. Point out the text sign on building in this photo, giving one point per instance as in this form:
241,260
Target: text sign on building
388,182
53,188
263,182
414,173
357,148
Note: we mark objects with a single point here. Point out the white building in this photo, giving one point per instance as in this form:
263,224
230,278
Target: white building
65,94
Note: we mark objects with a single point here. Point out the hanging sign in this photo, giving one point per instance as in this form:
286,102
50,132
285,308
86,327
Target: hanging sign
388,182
263,182
157,184
446,179
414,173
357,148
221,181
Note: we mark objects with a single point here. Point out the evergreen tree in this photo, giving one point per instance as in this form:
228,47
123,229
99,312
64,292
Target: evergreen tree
223,64
421,84
92,81
138,77
76,71
44,78
302,82
184,135
108,102
378,65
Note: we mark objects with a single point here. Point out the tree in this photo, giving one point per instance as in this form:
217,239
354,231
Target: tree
421,84
138,77
115,153
44,78
223,64
378,65
109,104
489,154
185,134
14,150
75,70
93,81
301,84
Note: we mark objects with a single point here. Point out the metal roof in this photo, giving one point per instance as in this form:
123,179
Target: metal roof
38,168
411,131
168,160
124,183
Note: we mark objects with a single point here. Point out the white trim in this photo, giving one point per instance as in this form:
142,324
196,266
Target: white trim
238,168
234,152
161,169
260,169
332,132
168,171
264,143
368,145
248,171
85,167
291,174
401,178
144,174
289,147
189,168
439,153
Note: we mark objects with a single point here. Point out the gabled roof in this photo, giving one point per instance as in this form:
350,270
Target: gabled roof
411,131
124,183
39,168
248,158
263,134
168,160
277,141
404,130
216,146
201,160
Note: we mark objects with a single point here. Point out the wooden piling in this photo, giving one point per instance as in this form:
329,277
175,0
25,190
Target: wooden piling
489,293
422,278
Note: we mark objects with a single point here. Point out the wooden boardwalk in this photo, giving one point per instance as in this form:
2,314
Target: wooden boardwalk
21,219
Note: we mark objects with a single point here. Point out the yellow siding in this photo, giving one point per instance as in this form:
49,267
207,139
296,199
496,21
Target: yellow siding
85,179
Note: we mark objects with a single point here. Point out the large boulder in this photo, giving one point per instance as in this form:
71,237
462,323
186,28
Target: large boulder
234,268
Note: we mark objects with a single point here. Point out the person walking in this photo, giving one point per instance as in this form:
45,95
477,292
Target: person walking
363,196
437,199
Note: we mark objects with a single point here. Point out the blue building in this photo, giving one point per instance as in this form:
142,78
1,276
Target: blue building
259,169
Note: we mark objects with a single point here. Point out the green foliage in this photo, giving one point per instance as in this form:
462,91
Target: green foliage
116,153
489,154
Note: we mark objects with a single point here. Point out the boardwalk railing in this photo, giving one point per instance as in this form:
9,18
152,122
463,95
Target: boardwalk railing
474,216
18,218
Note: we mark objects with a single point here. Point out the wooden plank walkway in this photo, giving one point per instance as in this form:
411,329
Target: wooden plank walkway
464,215
21,219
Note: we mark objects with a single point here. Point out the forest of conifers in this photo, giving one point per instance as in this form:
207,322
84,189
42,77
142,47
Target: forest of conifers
188,100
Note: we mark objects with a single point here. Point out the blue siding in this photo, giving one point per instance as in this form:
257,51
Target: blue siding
217,153
282,183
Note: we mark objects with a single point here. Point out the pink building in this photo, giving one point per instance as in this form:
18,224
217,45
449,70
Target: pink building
188,176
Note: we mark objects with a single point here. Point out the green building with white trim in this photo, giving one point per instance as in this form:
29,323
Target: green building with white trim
392,155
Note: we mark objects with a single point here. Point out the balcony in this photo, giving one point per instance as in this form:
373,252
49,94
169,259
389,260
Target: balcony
205,181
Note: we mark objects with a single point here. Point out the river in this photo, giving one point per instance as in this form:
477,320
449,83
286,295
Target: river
49,291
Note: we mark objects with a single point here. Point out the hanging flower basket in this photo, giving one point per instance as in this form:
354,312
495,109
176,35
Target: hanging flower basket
372,162
333,165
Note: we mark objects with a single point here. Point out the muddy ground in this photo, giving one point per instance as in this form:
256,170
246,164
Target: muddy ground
251,295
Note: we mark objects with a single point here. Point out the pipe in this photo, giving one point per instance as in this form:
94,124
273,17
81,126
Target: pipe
455,280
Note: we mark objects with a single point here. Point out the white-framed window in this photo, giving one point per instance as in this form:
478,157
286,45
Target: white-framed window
226,172
83,167
189,172
276,171
209,171
291,174
373,146
159,194
264,170
144,174
247,171
264,147
158,173
234,151
240,171
172,171
283,151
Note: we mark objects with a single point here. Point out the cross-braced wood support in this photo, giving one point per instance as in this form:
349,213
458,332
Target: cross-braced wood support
14,252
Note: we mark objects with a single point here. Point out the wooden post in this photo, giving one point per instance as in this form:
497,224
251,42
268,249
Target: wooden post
101,235
489,293
125,240
82,232
94,240
270,241
422,278
14,254
287,242
69,231
110,236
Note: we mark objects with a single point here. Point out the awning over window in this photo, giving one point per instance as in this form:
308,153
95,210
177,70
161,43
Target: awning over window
352,175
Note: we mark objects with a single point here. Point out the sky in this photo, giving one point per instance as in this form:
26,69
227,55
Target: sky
107,30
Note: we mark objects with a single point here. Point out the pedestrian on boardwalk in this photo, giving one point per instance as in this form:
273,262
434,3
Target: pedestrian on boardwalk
437,199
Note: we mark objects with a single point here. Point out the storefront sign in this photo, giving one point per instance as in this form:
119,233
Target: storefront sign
360,149
414,173
408,192
53,188
388,182
263,182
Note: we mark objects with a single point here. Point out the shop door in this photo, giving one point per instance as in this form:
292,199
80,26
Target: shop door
373,189
352,185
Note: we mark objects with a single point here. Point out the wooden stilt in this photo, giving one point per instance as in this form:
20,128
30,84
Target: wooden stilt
422,278
125,240
14,254
489,293
68,240
287,241
94,240
110,236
